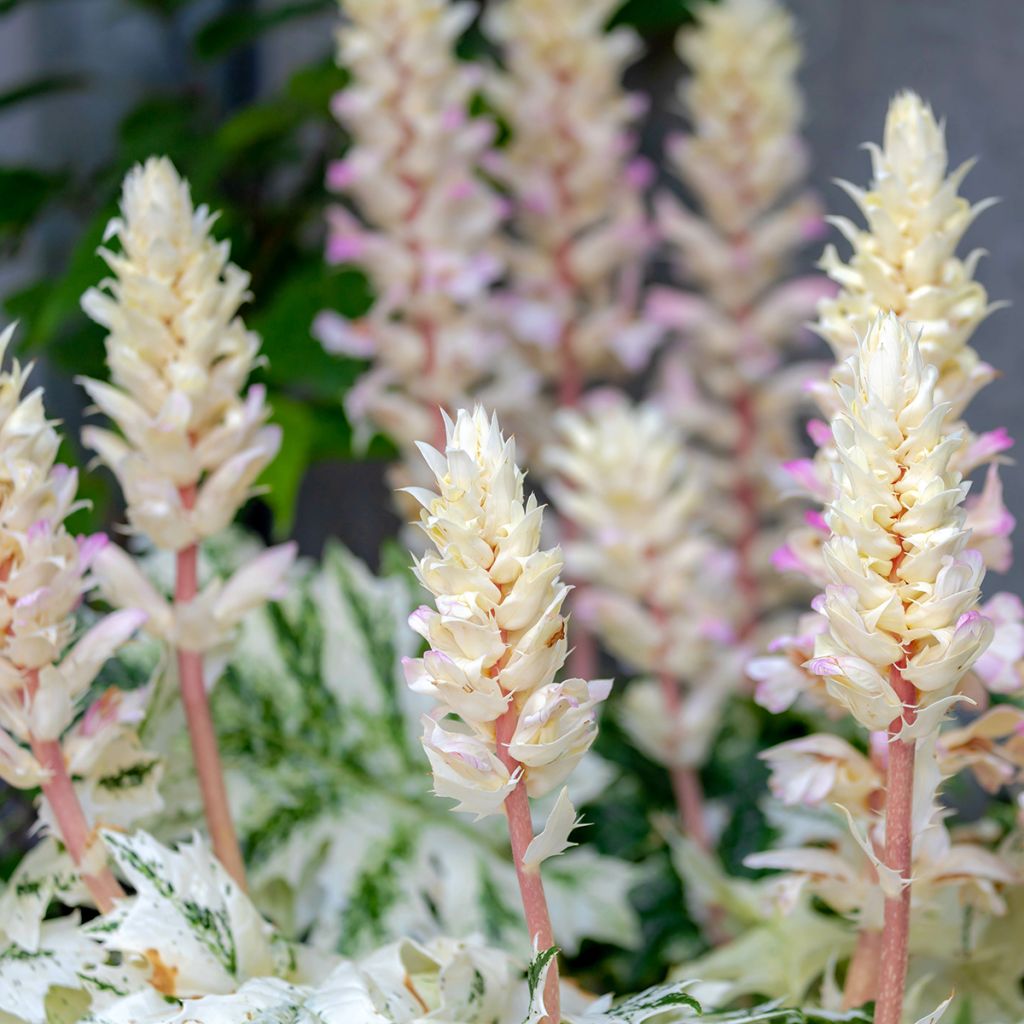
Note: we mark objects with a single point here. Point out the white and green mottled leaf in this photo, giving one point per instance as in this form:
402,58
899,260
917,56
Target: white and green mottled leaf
188,916
67,957
331,791
46,873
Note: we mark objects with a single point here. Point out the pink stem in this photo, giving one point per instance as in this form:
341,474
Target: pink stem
899,805
685,781
74,829
200,726
520,831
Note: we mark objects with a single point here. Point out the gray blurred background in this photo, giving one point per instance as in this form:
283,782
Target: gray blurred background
966,59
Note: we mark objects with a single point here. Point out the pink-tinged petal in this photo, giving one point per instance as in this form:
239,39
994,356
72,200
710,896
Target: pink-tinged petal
819,432
341,175
988,445
453,118
816,520
823,666
344,248
89,547
340,336
805,473
639,173
815,229
681,311
785,560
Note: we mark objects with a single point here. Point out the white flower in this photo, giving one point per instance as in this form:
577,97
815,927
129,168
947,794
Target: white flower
580,229
467,769
190,442
905,261
497,636
903,590
427,230
556,727
45,575
209,620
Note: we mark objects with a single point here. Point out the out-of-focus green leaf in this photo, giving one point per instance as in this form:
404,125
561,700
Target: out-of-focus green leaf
314,86
283,477
653,16
227,31
295,358
44,86
24,192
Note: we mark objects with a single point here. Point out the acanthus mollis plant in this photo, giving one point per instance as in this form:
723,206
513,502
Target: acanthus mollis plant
189,443
725,375
425,226
44,573
497,638
659,589
898,631
579,231
905,261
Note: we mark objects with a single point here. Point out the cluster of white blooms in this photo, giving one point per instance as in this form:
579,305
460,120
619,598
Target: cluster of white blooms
497,636
190,444
580,227
904,261
903,590
842,866
44,571
658,591
742,161
428,229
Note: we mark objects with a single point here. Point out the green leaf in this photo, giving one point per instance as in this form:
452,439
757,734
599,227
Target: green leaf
296,359
24,192
652,17
44,86
284,475
228,31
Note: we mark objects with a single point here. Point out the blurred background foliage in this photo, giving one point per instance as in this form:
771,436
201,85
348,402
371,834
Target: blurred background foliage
255,153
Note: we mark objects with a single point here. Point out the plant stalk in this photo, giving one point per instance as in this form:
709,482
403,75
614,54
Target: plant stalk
520,831
74,829
899,805
200,725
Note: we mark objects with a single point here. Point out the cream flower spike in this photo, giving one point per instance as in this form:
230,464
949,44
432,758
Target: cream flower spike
657,590
497,636
43,575
580,226
497,639
903,591
191,444
428,222
905,260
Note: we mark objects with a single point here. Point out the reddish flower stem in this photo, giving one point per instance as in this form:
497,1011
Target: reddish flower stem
74,829
520,831
685,781
899,805
200,725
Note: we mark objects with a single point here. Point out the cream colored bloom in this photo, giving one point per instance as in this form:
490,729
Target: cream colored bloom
905,260
577,193
819,768
744,153
428,221
190,443
497,636
619,472
903,590
44,669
